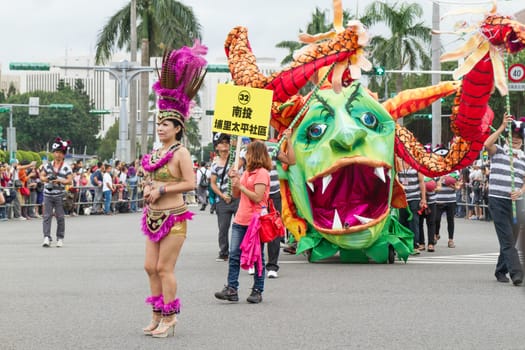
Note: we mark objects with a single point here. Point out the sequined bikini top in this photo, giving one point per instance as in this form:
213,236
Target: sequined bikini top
163,174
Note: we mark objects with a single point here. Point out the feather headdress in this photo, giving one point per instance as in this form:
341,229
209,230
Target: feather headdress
180,78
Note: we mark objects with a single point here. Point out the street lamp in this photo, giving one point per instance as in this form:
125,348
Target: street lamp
124,72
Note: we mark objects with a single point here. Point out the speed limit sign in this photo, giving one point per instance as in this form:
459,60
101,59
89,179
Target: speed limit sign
517,72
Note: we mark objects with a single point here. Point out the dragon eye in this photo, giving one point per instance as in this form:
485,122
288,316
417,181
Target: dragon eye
369,120
315,131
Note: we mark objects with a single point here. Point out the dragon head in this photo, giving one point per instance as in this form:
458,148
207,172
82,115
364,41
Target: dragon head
344,157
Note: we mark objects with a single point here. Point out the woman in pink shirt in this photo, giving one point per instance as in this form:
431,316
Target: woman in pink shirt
253,188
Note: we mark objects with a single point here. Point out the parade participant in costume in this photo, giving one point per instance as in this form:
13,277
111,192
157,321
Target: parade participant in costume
429,215
274,247
253,188
170,174
446,203
414,184
345,141
56,175
507,184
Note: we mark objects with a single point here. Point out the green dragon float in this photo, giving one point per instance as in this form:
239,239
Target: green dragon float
338,197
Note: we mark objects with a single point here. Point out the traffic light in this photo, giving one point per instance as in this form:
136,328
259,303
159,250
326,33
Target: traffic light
379,70
29,66
61,106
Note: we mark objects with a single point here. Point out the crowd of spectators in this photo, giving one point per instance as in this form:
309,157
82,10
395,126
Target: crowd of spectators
23,191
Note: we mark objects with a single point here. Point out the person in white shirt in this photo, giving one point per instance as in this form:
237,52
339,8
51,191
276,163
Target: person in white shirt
476,181
107,189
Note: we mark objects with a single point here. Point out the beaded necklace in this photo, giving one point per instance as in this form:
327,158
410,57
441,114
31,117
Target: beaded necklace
152,161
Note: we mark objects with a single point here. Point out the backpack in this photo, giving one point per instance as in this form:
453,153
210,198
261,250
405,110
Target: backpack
204,179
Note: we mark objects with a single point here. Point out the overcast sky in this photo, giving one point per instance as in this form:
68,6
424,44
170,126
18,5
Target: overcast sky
44,30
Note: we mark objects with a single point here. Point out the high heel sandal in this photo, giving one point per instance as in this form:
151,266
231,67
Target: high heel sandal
154,323
164,328
168,321
157,303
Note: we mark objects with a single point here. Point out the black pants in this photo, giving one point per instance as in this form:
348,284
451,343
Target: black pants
450,209
430,219
274,247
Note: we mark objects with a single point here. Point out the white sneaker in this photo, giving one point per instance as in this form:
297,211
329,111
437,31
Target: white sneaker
272,274
59,243
21,218
251,271
46,242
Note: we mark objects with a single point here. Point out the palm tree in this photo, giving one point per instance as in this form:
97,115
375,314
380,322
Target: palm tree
162,24
409,43
319,23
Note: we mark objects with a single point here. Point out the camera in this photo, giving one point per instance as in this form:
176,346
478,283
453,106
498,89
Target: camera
50,185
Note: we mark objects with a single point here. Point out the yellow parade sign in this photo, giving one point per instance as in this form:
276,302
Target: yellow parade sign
243,111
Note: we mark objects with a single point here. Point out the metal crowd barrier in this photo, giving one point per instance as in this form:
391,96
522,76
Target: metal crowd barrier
79,204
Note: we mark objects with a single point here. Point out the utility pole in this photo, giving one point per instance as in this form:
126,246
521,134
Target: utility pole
144,103
133,87
436,78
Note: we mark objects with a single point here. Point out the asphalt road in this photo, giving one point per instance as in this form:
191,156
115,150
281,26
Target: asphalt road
89,295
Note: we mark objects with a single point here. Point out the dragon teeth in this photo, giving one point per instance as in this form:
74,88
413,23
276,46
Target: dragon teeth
326,181
380,173
362,219
336,225
311,185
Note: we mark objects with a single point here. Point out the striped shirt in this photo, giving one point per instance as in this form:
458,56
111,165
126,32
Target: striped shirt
447,194
500,176
51,189
274,175
410,182
431,197
218,170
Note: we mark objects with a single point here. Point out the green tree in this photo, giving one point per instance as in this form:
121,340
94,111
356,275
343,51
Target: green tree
192,135
11,91
409,43
108,144
37,133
